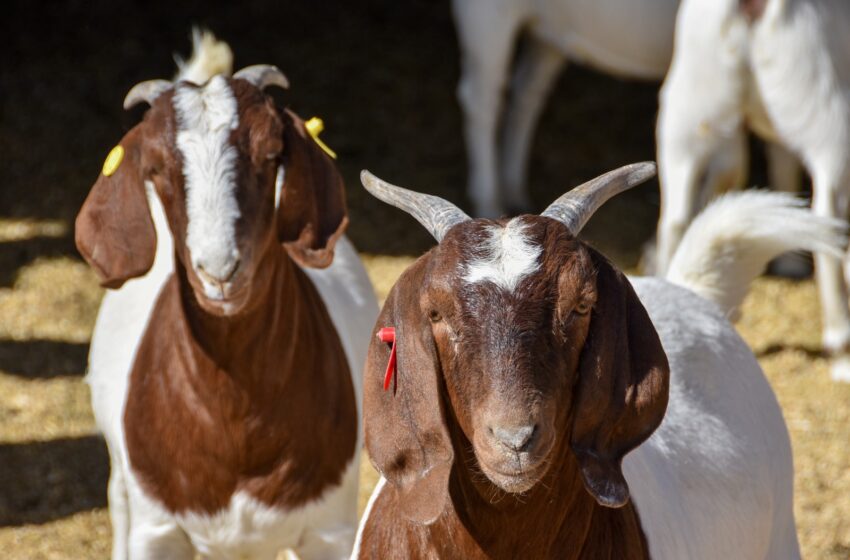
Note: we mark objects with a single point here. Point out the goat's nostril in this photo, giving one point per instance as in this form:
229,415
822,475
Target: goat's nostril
515,438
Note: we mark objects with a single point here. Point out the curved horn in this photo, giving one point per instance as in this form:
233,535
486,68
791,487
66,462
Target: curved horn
437,215
263,76
146,92
575,207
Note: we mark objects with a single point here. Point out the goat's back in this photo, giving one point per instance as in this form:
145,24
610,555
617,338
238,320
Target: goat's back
716,479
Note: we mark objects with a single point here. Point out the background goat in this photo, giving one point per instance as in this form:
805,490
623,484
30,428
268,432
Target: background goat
783,68
627,38
226,378
528,368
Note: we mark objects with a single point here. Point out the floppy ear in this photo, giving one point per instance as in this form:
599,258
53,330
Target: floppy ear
114,231
406,434
621,393
312,214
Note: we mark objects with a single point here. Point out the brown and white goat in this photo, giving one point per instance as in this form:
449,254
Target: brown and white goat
530,397
225,370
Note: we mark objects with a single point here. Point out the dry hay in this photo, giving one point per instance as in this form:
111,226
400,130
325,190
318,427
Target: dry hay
53,468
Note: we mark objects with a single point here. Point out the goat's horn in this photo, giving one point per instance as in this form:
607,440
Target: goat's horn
575,207
263,76
437,215
146,92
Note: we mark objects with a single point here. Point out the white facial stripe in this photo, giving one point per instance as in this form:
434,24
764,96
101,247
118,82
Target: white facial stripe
205,118
508,258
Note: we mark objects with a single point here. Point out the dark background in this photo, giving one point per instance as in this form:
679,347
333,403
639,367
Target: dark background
381,73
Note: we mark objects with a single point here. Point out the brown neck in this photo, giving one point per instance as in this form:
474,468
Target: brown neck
555,519
260,402
275,306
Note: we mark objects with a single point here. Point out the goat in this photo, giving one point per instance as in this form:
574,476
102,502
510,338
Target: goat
225,361
783,68
627,38
532,383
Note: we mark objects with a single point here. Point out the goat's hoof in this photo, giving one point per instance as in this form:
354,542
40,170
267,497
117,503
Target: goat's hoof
839,368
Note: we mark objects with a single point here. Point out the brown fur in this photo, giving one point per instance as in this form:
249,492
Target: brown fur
571,350
261,403
752,9
255,396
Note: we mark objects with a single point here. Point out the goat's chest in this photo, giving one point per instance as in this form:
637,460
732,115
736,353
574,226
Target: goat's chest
198,436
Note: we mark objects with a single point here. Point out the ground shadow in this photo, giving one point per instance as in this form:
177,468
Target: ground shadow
43,359
15,255
48,480
809,351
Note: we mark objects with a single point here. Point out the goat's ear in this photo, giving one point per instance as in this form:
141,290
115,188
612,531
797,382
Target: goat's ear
114,231
312,213
621,393
406,433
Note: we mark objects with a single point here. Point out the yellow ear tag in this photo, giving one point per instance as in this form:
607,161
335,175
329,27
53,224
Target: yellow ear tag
113,160
315,126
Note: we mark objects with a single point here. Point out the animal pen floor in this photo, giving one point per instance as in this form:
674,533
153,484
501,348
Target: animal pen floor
382,74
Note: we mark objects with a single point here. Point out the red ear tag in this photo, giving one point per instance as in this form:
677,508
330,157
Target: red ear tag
387,334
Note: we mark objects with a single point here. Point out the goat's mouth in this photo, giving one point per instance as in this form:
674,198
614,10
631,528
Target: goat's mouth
225,299
515,480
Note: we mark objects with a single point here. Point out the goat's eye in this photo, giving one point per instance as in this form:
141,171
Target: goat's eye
582,308
435,316
271,156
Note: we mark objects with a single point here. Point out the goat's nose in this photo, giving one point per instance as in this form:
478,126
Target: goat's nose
220,276
515,438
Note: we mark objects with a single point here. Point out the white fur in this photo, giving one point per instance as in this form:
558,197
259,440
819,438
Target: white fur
632,38
715,480
508,257
788,76
206,116
732,240
142,528
209,57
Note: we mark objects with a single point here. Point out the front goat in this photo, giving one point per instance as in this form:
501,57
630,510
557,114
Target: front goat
226,378
528,367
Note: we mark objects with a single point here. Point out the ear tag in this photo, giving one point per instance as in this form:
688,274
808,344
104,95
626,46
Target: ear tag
113,160
315,126
387,334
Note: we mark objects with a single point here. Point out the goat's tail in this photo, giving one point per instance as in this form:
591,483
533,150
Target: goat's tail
728,245
209,57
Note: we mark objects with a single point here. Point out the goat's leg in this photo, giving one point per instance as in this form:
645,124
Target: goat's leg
486,38
828,200
119,513
785,175
700,120
538,66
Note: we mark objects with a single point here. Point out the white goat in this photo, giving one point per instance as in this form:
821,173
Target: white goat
628,38
781,67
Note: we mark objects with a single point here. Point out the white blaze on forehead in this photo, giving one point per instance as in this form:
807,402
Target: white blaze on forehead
508,257
206,116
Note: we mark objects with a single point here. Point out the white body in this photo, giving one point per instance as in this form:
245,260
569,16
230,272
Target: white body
142,528
628,38
787,76
716,479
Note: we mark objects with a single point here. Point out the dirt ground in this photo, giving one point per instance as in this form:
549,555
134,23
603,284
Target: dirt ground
382,74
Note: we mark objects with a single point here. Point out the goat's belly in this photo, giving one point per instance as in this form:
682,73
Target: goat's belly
629,38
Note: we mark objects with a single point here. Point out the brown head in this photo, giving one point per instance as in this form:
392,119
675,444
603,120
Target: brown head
528,341
236,176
